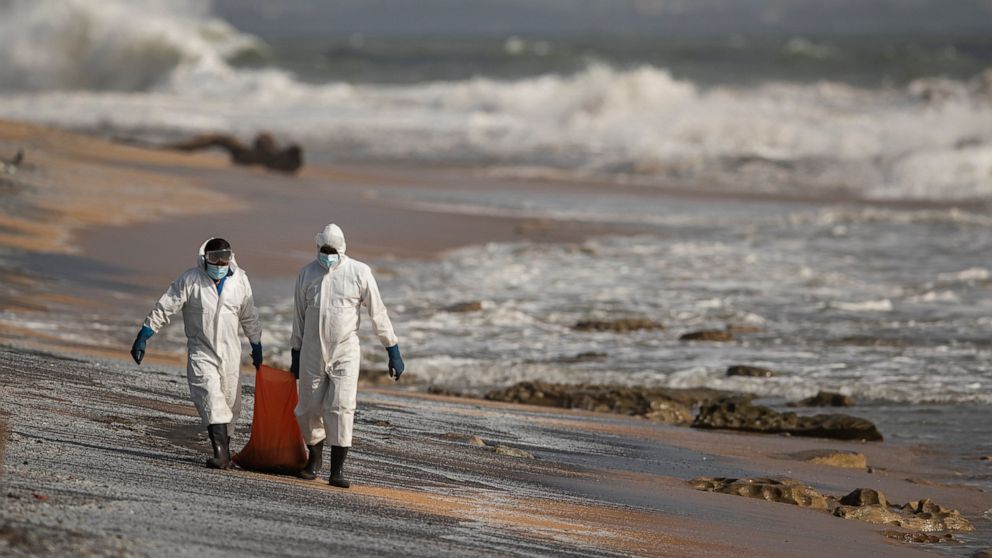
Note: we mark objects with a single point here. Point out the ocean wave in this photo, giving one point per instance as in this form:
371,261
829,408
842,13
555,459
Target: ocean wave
128,45
968,275
640,125
883,305
929,140
936,296
844,216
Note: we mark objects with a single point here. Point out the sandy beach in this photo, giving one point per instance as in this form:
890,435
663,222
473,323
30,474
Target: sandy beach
77,205
110,461
103,457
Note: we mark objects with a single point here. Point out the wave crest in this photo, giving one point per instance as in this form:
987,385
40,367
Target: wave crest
930,140
123,45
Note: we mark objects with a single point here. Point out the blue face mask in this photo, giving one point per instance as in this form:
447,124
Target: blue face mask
327,260
217,272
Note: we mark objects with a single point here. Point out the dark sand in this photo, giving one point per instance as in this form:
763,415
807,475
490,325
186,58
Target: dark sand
107,458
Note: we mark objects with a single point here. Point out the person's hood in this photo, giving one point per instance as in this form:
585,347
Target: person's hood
332,236
201,257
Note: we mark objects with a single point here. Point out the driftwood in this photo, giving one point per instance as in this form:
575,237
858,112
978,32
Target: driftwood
264,150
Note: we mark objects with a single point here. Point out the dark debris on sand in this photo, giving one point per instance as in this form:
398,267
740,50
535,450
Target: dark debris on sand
264,151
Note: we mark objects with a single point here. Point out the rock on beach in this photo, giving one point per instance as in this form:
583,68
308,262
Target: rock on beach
832,458
718,335
825,399
750,371
737,414
668,405
622,325
784,491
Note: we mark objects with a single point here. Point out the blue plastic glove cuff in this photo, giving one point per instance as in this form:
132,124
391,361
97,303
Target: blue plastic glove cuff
394,351
396,366
145,334
138,347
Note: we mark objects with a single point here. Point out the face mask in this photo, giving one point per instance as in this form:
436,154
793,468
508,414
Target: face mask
217,272
327,260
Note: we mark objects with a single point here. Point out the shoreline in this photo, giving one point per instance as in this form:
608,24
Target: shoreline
100,236
93,201
451,174
87,261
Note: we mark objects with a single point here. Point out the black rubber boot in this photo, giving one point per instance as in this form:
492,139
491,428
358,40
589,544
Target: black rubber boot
338,455
222,447
314,461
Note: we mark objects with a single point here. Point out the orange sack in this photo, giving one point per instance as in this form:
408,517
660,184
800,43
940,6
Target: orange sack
276,444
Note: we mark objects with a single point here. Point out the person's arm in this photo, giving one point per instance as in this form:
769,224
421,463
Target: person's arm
299,317
248,316
383,327
299,314
377,312
166,307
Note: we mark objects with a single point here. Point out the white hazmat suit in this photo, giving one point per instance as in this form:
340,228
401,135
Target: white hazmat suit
212,321
325,331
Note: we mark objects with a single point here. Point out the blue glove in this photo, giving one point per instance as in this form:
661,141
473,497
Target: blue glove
138,348
295,366
256,354
396,366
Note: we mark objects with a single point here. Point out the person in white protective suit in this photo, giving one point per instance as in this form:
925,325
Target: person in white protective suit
216,300
325,353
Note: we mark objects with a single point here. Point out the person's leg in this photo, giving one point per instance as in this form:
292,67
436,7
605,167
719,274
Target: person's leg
232,394
207,393
313,388
339,411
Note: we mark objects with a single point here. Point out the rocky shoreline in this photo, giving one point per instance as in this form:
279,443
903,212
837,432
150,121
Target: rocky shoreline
921,518
714,409
670,406
922,521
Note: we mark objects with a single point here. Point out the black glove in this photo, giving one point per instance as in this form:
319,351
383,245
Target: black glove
396,366
294,367
256,354
138,347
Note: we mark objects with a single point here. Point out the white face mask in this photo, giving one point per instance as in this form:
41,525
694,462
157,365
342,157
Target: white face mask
327,260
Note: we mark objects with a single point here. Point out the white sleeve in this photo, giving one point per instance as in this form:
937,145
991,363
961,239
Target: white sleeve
168,305
299,314
249,316
377,312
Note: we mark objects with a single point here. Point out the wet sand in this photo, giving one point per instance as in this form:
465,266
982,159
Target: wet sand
110,457
275,232
106,457
89,223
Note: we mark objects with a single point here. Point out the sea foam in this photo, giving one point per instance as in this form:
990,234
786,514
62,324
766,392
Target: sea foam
155,67
130,45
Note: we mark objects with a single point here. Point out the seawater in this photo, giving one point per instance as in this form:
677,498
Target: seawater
889,306
612,110
885,305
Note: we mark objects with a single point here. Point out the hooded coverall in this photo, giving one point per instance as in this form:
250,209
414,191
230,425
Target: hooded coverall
211,321
325,331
